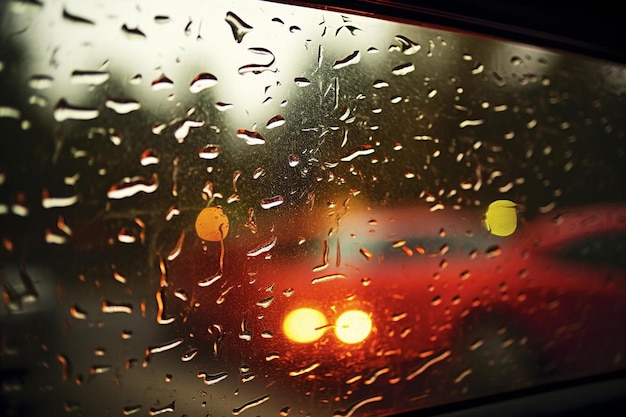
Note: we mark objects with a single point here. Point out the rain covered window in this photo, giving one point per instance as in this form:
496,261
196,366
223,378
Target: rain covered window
247,208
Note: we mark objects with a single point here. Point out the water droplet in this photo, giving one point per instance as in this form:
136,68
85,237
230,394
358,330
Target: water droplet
109,307
259,172
380,84
436,301
245,334
173,254
149,157
157,129
136,79
306,369
78,313
209,151
182,131
166,409
247,377
89,77
99,369
374,375
275,121
466,123
9,112
130,410
119,277
366,253
263,247
407,46
64,111
477,344
266,302
360,150
128,187
20,207
132,32
345,112
238,26
40,82
493,251
256,402
547,208
251,137
202,81
293,160
353,58
268,203
439,358
257,68
165,346
403,69
54,202
162,83
171,213
326,278
221,106
463,375
65,364
181,294
302,81
350,410
189,355
121,106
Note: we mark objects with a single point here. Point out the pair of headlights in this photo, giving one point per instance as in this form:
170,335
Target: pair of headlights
306,325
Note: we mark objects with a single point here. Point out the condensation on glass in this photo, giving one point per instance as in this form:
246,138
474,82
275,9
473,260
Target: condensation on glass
247,208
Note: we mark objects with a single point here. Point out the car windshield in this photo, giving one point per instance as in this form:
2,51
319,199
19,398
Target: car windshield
252,208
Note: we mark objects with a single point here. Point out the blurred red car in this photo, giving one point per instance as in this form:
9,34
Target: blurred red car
452,308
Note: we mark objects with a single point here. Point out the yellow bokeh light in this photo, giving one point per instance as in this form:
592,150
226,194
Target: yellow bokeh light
304,325
501,218
353,326
212,224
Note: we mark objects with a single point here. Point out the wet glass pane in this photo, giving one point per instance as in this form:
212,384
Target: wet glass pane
252,208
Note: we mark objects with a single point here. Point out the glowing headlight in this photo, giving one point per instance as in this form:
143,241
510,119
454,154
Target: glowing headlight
304,325
353,326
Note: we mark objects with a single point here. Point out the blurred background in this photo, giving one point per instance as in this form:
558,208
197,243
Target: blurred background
176,181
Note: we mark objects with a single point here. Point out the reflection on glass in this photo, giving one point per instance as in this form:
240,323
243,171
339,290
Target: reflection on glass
260,209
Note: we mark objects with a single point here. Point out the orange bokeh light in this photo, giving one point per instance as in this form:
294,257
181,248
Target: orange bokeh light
353,326
304,325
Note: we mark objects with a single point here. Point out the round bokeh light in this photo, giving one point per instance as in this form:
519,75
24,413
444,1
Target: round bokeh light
212,224
304,325
353,326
